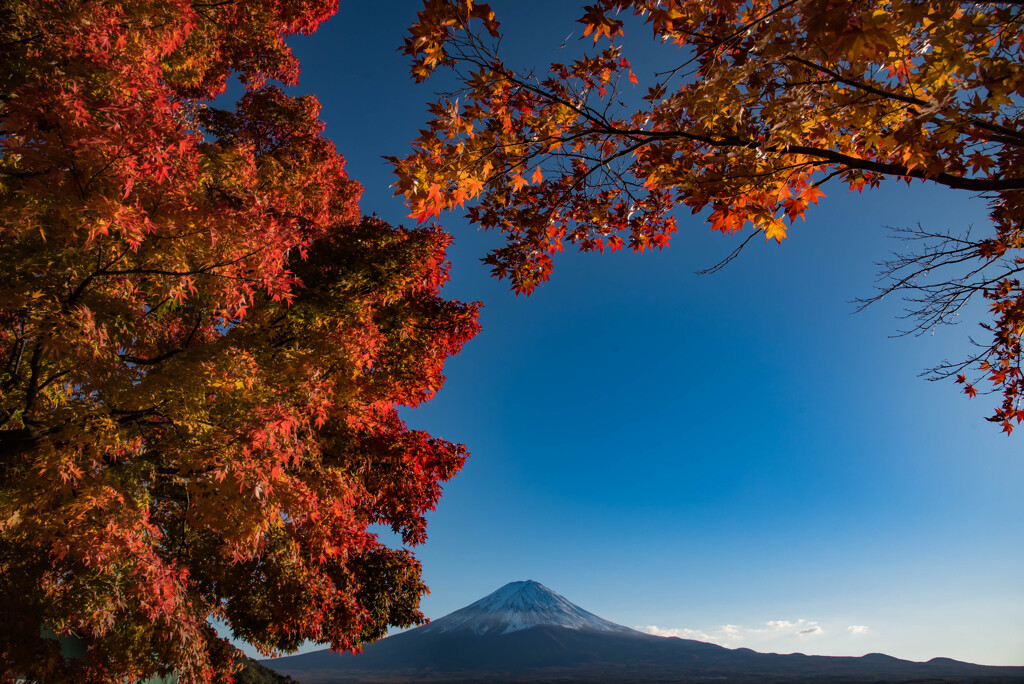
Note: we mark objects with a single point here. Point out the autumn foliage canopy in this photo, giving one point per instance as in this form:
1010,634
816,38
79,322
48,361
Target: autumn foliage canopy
756,106
203,346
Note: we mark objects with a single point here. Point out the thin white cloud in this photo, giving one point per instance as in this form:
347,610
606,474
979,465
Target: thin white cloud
781,625
737,635
857,629
800,627
674,632
731,631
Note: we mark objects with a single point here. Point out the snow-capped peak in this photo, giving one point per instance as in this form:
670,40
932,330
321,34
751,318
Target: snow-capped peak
520,605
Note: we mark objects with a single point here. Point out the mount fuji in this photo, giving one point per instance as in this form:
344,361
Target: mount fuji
524,632
521,605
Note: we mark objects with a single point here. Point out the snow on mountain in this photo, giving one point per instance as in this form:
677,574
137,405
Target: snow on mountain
517,606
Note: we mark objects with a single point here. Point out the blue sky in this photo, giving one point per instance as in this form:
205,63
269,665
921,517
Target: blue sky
735,457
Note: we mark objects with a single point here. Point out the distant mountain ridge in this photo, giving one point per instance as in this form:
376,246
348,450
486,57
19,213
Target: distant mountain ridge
524,632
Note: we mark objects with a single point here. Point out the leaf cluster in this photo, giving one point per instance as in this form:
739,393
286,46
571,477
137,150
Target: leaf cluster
760,104
203,347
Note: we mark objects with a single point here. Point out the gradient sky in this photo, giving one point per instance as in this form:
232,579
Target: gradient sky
736,457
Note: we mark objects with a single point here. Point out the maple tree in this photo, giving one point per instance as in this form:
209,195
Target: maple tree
203,349
756,105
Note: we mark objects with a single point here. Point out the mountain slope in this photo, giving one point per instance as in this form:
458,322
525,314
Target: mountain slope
525,632
520,605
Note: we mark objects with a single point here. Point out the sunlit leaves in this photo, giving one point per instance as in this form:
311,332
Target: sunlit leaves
755,105
203,350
